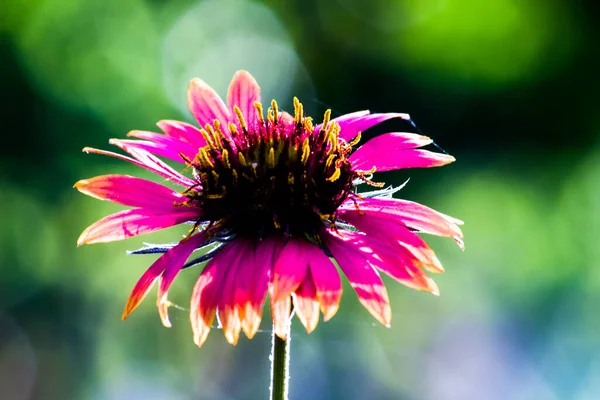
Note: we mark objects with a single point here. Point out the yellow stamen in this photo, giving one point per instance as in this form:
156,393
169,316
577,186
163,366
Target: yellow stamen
355,141
242,159
208,139
219,136
233,129
240,117
275,111
329,160
215,175
308,125
205,158
235,176
270,116
215,138
271,158
305,151
326,118
259,111
298,111
336,174
225,158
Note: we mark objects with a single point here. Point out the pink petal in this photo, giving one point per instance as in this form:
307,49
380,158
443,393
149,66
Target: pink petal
345,120
129,191
148,161
410,214
173,260
328,284
265,255
243,92
142,287
166,145
290,268
281,312
362,276
352,124
383,227
306,304
394,141
389,159
207,293
288,273
205,104
392,259
137,221
228,310
182,131
244,281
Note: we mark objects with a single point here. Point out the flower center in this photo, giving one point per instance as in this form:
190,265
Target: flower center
275,175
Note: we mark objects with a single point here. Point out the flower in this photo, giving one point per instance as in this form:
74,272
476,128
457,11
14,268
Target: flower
271,201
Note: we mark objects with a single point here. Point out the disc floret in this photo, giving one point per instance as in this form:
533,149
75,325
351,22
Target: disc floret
276,174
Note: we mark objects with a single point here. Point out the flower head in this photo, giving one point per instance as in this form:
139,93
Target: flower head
271,199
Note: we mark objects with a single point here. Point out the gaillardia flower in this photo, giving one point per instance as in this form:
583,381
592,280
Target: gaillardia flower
271,201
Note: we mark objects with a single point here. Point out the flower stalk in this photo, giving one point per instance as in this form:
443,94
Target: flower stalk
280,367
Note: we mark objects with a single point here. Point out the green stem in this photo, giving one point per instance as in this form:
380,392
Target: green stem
280,363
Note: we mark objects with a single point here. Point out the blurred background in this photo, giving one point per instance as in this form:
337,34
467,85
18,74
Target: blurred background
508,87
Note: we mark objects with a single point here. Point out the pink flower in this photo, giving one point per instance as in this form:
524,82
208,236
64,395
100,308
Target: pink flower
271,200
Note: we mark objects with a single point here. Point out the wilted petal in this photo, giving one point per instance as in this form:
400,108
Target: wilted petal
129,191
362,276
138,221
243,92
205,104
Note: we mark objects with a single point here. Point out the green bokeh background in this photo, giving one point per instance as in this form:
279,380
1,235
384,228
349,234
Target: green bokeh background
508,87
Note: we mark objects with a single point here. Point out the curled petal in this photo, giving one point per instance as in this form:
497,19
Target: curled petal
205,104
243,92
328,284
173,260
183,131
138,221
363,278
306,304
129,191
